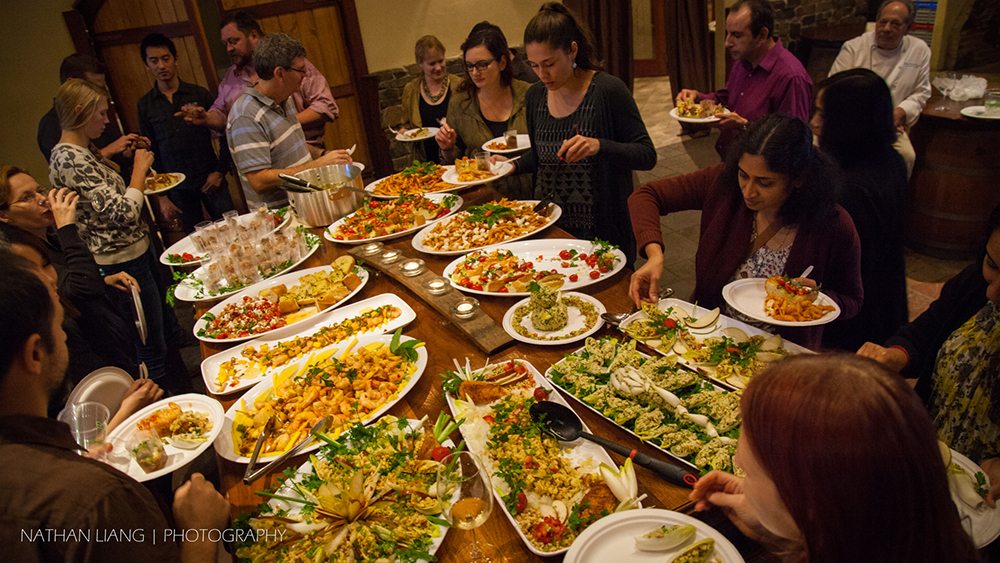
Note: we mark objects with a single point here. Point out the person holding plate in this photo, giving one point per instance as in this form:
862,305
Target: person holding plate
953,349
840,464
586,132
110,216
425,98
488,102
768,210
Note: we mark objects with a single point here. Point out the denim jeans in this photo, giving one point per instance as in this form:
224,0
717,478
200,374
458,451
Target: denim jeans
161,323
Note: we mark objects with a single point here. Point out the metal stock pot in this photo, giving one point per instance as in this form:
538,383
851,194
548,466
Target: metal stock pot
321,208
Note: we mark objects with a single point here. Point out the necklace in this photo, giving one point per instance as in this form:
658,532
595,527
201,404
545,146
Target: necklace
427,90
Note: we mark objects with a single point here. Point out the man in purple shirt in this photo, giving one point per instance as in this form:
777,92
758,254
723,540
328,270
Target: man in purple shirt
314,102
765,77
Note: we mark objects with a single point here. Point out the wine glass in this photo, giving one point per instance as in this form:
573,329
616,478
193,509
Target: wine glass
945,85
466,495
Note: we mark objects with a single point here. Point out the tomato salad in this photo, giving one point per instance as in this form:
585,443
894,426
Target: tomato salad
254,315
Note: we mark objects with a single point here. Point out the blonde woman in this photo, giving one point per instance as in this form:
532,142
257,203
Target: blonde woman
109,214
425,98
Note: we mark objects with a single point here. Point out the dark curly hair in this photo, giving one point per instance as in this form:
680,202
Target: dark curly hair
785,142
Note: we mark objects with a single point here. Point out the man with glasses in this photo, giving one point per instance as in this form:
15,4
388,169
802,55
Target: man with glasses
314,103
264,135
902,60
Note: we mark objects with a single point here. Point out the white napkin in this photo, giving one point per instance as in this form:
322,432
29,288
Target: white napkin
965,88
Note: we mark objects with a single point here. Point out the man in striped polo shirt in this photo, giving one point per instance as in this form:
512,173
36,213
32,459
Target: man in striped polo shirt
263,133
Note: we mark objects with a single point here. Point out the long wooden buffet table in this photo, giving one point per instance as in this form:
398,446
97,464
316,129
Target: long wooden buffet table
444,342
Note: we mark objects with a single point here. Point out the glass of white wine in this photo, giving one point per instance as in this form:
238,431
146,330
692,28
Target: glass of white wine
467,498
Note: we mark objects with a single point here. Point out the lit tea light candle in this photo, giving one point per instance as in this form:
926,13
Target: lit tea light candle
465,307
412,267
390,256
372,248
436,286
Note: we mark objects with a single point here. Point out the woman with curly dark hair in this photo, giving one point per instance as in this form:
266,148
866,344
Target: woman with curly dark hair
768,210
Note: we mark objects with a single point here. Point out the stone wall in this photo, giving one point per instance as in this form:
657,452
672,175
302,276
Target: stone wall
792,16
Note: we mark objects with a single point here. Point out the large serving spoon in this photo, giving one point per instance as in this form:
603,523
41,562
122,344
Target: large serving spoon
253,472
565,426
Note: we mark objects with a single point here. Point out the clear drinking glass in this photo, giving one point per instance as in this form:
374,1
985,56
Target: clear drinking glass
991,103
482,160
466,495
945,85
510,138
88,422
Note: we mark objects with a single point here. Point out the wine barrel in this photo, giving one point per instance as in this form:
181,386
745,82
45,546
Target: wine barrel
955,185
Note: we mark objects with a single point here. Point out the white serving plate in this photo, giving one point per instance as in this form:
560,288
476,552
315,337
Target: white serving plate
747,296
523,144
580,450
225,446
295,508
985,522
290,279
177,458
499,169
675,115
403,137
187,245
435,197
612,538
977,112
178,180
106,385
709,332
575,321
555,212
548,249
185,292
210,366
370,188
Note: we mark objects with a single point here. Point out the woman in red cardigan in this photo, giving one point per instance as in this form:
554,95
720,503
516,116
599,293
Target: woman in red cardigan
768,210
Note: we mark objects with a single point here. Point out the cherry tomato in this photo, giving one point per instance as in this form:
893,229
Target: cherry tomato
439,453
541,394
582,256
564,254
594,274
530,463
489,419
670,323
732,350
522,502
604,269
503,290
520,369
573,277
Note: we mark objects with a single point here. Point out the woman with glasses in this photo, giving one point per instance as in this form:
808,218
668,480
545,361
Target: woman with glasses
110,221
586,132
425,98
489,102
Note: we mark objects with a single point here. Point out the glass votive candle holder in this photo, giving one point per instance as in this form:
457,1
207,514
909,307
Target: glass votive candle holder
372,248
412,267
437,286
465,308
390,256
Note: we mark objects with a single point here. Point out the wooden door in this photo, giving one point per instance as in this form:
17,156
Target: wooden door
649,38
320,26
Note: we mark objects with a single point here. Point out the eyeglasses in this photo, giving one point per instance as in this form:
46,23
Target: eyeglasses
27,198
481,66
302,70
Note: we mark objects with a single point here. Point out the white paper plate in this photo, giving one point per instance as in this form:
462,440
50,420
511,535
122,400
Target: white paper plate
985,522
293,508
178,180
177,458
499,169
747,296
578,451
674,114
185,292
225,446
187,245
548,249
435,197
977,112
106,385
523,144
576,321
555,212
403,136
140,314
612,538
210,365
289,280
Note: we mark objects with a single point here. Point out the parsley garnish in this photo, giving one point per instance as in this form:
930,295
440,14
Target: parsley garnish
488,213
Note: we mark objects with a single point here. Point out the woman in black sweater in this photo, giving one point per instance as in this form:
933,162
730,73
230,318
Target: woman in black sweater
586,132
853,121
